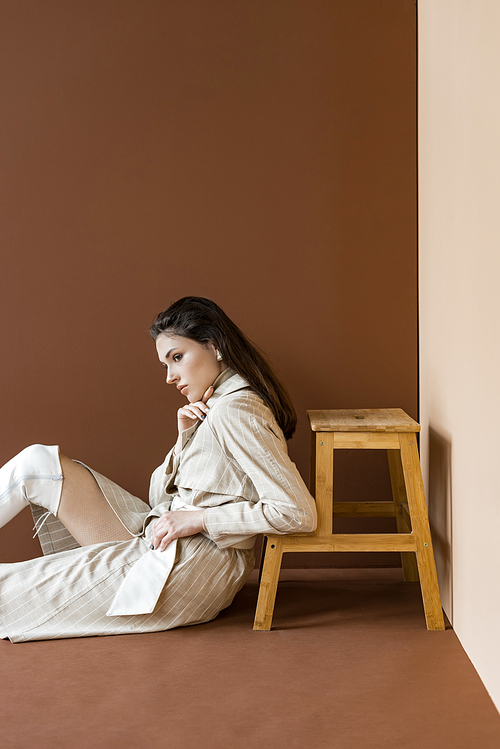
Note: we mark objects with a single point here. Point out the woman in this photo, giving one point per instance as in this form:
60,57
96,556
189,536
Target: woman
115,565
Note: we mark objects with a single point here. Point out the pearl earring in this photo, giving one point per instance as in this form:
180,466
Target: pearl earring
219,355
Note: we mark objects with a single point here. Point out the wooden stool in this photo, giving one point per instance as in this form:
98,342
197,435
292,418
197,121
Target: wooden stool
388,429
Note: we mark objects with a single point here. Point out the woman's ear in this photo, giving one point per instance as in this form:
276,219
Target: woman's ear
215,350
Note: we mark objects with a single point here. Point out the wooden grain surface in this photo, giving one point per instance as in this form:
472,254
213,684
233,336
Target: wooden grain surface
362,420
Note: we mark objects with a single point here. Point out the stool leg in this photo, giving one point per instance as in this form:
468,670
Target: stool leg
268,584
312,465
408,558
420,524
262,557
324,482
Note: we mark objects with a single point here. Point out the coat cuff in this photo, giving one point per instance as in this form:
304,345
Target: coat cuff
222,540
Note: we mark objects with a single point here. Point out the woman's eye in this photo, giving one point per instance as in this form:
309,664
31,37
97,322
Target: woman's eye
177,357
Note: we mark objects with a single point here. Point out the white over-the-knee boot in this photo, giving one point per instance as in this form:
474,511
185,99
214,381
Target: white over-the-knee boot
34,475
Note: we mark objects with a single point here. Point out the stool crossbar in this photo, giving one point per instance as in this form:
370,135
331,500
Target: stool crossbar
389,429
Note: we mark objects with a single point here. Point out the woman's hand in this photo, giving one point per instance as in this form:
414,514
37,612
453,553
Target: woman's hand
176,524
188,415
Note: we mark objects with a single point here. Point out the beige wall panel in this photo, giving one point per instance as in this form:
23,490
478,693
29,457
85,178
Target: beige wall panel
459,199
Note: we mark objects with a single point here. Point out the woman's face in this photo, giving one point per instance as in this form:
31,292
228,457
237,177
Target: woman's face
190,366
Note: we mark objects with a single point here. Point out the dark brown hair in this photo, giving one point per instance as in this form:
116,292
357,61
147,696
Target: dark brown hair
203,321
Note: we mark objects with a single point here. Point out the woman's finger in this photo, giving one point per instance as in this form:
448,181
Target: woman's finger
207,394
155,535
165,542
186,413
194,410
195,414
159,533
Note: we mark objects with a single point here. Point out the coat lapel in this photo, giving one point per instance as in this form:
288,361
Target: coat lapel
227,382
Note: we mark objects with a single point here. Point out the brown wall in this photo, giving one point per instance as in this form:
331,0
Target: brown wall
259,152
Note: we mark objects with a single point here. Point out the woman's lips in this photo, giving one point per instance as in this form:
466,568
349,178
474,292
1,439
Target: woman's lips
184,389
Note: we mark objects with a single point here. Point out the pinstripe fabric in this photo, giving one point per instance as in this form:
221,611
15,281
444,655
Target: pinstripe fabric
131,510
68,594
53,535
235,464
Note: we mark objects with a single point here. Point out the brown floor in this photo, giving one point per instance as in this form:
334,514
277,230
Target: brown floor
348,665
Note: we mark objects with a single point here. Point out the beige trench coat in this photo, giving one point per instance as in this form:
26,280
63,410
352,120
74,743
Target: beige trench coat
235,464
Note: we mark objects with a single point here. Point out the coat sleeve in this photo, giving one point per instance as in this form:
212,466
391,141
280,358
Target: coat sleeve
250,437
162,483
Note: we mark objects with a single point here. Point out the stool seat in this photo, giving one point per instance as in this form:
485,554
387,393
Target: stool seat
362,420
389,429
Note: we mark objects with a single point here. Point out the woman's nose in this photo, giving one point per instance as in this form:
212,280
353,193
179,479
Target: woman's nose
171,377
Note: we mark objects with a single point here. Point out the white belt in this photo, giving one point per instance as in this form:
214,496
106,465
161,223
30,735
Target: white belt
143,584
